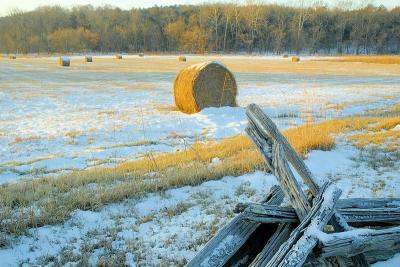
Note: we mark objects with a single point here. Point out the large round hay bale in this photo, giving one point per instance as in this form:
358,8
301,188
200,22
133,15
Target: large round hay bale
88,59
182,58
202,85
295,59
285,55
64,61
141,54
118,56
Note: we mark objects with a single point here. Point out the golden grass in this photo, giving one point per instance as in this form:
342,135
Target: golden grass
369,59
50,200
380,133
385,124
319,136
240,64
19,139
389,138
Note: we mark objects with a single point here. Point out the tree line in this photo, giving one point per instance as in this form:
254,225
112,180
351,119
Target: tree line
223,28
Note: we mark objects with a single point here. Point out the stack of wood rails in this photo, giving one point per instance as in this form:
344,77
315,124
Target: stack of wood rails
318,229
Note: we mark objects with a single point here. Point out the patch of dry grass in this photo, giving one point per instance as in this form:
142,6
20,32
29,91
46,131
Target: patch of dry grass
19,139
50,200
369,59
382,133
319,136
389,138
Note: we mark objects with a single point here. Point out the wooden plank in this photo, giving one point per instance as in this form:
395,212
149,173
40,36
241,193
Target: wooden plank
302,240
268,130
364,216
233,236
277,164
288,182
357,241
372,257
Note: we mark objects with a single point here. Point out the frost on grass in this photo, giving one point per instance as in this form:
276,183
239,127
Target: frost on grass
83,119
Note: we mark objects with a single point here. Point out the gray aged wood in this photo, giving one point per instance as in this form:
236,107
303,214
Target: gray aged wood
363,216
268,130
233,236
288,182
296,249
360,240
372,257
276,161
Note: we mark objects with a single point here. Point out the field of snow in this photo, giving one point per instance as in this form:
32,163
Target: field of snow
61,120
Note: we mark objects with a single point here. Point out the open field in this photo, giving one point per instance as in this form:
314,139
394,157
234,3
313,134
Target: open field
238,64
368,59
95,156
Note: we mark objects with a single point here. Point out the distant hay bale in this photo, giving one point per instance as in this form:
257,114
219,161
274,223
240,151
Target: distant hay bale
12,57
295,59
141,54
64,61
202,85
285,55
88,59
118,56
182,58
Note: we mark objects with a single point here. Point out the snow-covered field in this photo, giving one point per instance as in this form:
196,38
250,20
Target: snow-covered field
167,229
56,121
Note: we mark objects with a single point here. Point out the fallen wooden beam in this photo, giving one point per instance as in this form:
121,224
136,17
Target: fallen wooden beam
363,216
372,256
345,203
231,238
357,241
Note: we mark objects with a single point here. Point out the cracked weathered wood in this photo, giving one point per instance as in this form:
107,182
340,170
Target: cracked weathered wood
372,257
276,162
282,172
233,236
363,216
268,130
274,157
360,240
302,240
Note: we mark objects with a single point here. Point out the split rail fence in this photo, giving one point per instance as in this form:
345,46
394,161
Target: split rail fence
317,229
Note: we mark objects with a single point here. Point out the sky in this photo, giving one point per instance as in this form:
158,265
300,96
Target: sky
27,5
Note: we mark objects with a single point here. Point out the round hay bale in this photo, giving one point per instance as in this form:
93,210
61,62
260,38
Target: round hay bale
285,55
182,58
118,56
64,61
202,85
141,54
88,59
295,59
